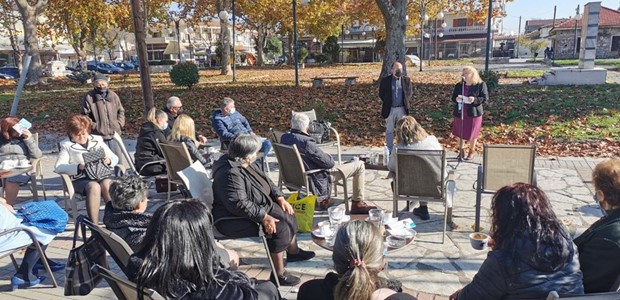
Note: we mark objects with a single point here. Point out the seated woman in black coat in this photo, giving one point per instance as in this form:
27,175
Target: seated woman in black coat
599,246
146,146
184,131
532,252
241,189
358,260
179,261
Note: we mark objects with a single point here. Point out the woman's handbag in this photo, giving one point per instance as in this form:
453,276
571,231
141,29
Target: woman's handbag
80,276
45,215
94,168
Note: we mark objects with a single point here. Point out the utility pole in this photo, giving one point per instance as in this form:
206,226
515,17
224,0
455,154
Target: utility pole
518,36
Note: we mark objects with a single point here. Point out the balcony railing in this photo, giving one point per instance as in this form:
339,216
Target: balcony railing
466,29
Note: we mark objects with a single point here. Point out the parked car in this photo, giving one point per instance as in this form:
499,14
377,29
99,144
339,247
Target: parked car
12,71
103,67
6,76
125,65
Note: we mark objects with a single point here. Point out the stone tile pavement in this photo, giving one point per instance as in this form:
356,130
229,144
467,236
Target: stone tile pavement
427,268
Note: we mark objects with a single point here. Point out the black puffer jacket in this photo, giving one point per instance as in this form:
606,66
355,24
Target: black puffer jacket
314,158
193,150
147,150
535,273
237,194
130,226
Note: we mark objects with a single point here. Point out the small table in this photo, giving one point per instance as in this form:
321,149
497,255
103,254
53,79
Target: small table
323,244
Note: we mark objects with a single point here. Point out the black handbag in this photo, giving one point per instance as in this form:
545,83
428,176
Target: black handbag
94,168
80,276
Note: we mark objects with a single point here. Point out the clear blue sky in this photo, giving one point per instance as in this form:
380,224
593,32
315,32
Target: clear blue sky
543,9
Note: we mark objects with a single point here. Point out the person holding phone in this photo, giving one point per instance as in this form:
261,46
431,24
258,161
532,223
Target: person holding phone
18,146
467,98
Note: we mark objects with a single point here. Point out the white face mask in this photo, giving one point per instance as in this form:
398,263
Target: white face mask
252,158
165,126
232,111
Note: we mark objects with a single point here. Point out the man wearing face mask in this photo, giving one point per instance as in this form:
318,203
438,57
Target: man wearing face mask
173,109
228,123
106,113
395,91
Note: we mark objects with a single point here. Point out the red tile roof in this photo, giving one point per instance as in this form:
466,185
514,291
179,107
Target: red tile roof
608,17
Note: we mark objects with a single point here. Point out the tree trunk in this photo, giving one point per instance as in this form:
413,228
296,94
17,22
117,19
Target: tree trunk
145,73
225,36
394,15
260,45
31,42
291,59
17,54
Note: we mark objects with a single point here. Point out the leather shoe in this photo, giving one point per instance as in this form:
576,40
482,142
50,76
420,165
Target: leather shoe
286,279
54,266
301,255
360,207
422,212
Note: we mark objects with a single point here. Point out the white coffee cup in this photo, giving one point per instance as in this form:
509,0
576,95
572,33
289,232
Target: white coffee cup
356,158
479,240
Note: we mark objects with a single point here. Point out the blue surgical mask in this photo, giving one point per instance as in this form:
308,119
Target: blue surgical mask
599,205
232,110
165,126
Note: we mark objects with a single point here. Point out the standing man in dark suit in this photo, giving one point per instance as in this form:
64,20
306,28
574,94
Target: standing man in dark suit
395,92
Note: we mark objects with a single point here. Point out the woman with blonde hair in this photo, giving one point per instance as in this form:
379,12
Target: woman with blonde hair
184,131
146,148
358,260
411,135
467,99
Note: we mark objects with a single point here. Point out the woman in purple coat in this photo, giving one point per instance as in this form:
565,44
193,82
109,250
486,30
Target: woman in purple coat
467,99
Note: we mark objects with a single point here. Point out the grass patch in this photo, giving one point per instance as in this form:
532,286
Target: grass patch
6,97
615,63
524,73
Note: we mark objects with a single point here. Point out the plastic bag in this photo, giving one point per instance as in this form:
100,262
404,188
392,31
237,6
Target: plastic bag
304,211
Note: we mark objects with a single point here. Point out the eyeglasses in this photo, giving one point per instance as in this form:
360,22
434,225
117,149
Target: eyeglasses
177,107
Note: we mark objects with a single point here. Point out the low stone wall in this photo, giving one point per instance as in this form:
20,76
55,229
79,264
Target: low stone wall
160,69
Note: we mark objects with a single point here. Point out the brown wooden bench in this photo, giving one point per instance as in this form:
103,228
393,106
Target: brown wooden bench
348,80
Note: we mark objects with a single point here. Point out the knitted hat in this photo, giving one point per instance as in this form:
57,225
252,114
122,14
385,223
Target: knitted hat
99,76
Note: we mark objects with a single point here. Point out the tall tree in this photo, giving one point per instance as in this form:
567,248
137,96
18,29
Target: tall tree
8,19
29,13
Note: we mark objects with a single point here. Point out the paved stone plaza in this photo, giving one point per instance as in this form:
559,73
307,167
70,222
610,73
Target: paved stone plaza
427,268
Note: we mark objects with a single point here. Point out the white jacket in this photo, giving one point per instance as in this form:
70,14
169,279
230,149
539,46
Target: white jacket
70,156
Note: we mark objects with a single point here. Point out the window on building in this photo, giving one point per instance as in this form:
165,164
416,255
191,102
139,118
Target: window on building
615,43
157,34
459,23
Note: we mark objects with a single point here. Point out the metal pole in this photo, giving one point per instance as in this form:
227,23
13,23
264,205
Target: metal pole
486,59
575,38
20,85
342,44
518,37
421,46
176,25
234,37
295,43
436,41
374,44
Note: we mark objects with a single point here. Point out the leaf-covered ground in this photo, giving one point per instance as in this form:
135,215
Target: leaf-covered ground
564,121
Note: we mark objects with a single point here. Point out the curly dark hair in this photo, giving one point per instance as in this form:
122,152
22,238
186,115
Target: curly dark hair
127,192
522,210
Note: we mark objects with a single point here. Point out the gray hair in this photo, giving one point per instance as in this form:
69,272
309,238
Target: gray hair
357,240
300,121
225,101
243,146
155,115
127,192
172,101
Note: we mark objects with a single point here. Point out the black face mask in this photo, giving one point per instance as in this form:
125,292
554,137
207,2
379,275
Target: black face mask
398,73
101,90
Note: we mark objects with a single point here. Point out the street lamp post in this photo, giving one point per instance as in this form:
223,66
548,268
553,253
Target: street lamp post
577,19
488,49
295,58
440,16
374,44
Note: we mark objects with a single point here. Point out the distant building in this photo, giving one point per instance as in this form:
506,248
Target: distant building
567,42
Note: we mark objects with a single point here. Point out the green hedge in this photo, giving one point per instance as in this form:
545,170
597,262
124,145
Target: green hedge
185,74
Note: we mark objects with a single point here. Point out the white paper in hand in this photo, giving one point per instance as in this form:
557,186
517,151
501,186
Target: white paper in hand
22,126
